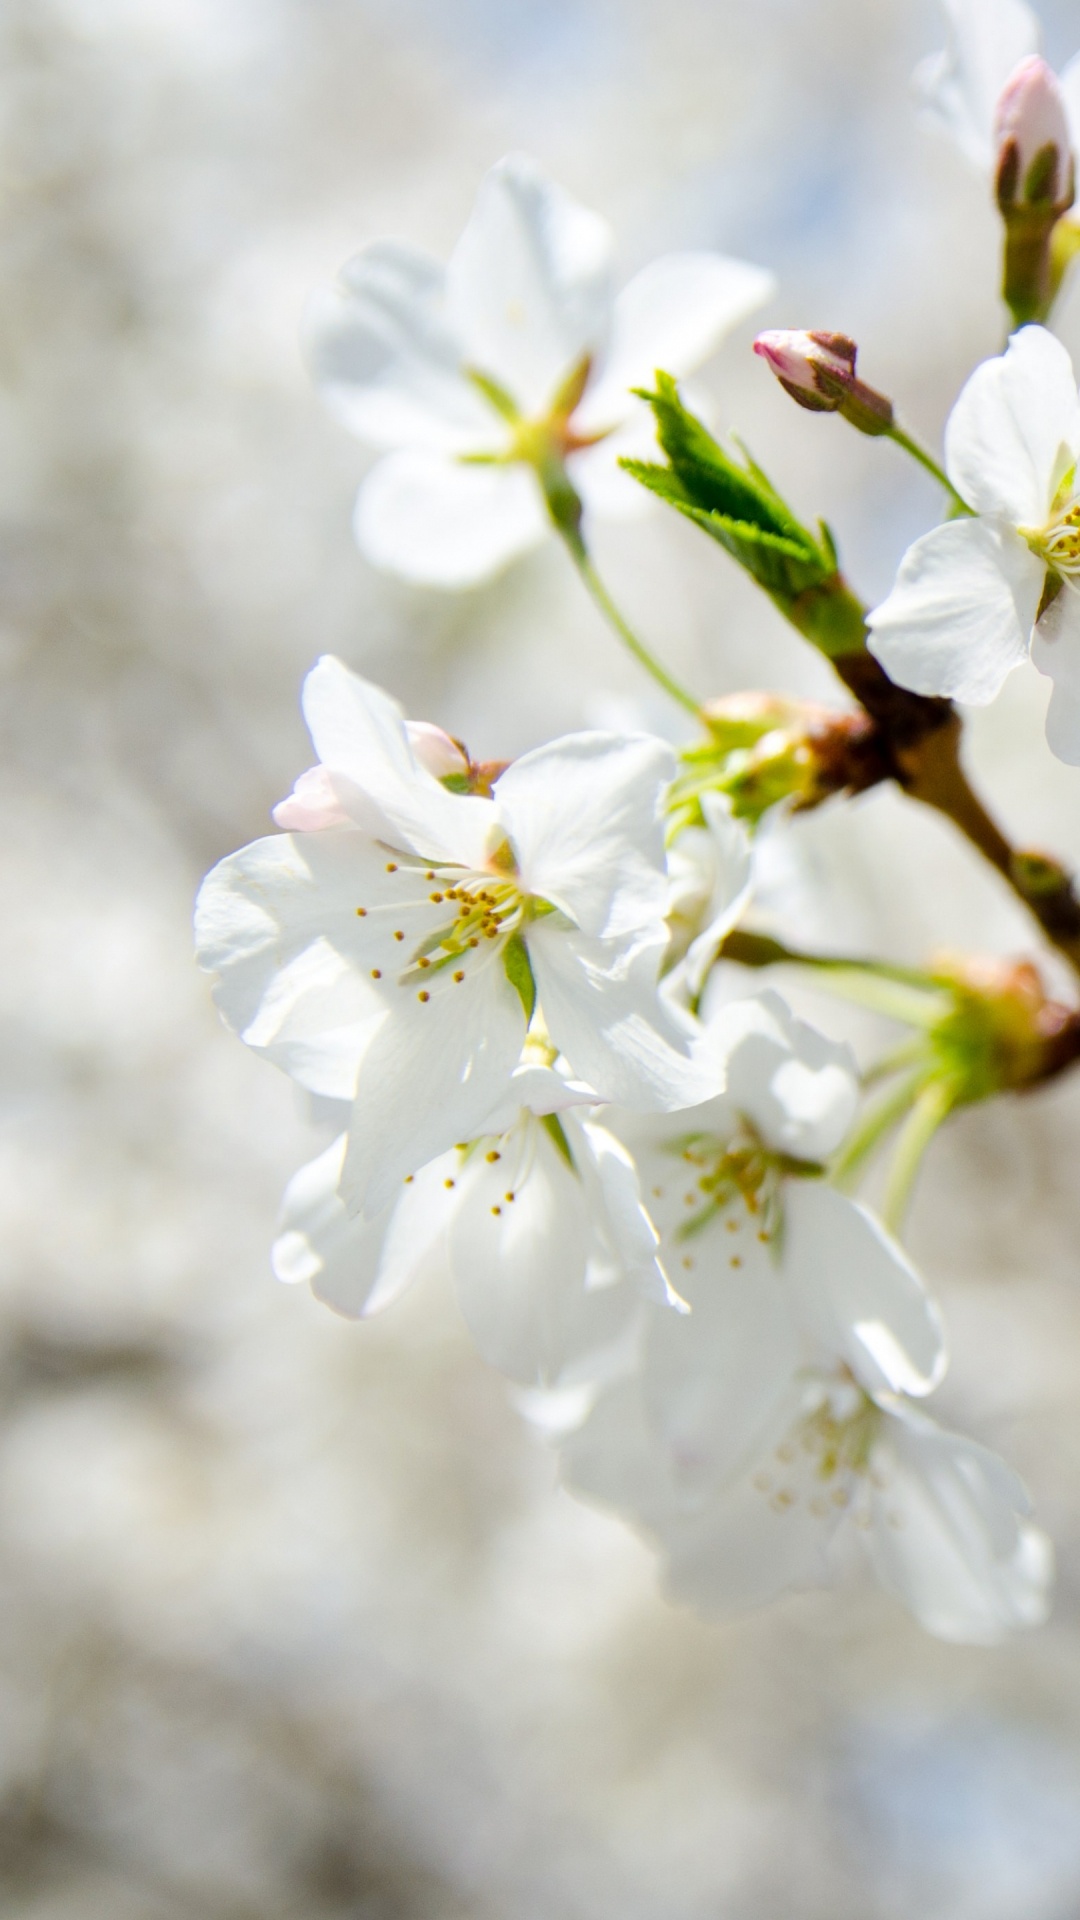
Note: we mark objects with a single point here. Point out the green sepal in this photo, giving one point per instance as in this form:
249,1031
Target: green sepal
518,968
555,1128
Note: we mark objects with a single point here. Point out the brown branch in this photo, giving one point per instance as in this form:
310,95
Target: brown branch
921,741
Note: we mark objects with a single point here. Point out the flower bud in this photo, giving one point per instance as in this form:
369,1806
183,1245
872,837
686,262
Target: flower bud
818,370
764,750
1002,1030
1034,145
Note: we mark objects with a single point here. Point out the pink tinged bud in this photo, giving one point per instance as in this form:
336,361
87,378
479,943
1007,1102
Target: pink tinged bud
815,368
1033,140
818,370
311,805
435,750
810,363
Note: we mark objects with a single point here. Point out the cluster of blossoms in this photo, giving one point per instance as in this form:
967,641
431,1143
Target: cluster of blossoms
519,981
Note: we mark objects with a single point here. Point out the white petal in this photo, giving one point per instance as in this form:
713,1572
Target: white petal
672,316
960,616
432,519
615,1458
520,1263
311,806
714,1380
730,856
387,362
584,819
275,922
354,1265
360,734
857,1295
754,1542
429,1077
1015,430
798,1087
1055,650
541,1090
949,1536
960,87
628,1238
603,1011
529,283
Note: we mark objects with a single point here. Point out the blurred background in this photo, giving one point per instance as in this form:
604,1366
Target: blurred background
294,1624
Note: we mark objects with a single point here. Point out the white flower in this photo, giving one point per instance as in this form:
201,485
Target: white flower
962,87
539,1220
775,1415
717,1177
711,879
391,958
942,1519
974,596
515,356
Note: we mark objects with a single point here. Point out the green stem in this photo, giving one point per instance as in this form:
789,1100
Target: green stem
579,554
873,1127
926,459
932,1106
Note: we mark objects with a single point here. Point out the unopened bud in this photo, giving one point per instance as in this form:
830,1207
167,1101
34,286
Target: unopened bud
1003,1031
1035,167
818,370
764,750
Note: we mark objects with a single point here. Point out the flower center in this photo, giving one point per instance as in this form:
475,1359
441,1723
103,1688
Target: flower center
729,1175
485,911
1058,542
825,1460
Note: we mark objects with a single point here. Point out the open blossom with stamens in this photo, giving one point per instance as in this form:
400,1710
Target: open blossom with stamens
539,1219
977,596
515,360
392,956
942,1519
989,88
781,1406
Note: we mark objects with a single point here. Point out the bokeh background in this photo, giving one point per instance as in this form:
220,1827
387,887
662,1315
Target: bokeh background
294,1624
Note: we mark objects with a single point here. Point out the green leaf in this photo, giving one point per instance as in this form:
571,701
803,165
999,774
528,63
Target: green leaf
732,500
519,973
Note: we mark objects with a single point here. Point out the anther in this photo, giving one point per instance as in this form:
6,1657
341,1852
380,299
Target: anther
391,866
459,977
736,1260
508,1196
423,961
376,973
423,994
493,1155
496,1209
362,912
437,898
398,935
448,1183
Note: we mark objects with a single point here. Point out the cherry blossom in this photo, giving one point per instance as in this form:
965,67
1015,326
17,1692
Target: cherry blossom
393,957
976,597
482,381
538,1219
